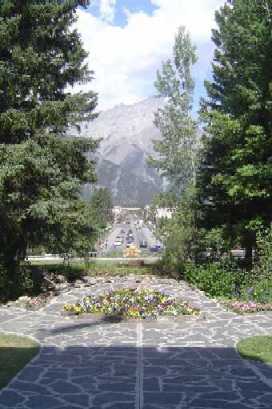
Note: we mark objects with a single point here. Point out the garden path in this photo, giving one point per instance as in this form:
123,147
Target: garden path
180,363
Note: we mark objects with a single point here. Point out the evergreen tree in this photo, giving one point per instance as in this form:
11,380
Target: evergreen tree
175,152
41,169
235,179
101,204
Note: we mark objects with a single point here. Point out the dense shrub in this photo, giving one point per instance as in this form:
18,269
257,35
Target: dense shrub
11,288
260,291
263,263
215,243
181,235
3,282
259,287
218,279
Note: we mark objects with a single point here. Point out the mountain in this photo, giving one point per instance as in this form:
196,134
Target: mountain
127,132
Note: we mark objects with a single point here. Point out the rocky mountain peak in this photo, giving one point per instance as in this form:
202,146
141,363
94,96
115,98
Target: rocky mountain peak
127,132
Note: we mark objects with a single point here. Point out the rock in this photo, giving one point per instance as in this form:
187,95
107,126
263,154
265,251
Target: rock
60,278
23,298
89,280
127,133
62,287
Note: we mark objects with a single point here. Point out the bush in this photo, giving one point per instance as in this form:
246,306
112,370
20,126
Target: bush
260,291
3,282
218,279
259,287
181,235
11,288
215,243
263,266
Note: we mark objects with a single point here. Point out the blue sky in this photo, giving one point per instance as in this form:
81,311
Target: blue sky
133,6
128,39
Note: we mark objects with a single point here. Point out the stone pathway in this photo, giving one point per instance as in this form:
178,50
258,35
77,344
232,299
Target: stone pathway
182,363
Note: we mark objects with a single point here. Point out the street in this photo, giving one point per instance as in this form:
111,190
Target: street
130,232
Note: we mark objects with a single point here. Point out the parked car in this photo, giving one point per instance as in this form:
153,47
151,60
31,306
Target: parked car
155,248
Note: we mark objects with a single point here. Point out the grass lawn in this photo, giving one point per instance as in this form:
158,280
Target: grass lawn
15,353
258,348
77,269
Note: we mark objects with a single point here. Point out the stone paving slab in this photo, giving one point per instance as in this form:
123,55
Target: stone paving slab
188,362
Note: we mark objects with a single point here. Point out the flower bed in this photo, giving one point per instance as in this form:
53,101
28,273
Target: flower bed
245,307
132,303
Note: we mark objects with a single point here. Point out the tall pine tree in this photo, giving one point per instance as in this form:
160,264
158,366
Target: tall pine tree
235,178
41,169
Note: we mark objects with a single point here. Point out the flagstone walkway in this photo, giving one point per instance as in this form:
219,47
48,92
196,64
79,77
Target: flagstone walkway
182,363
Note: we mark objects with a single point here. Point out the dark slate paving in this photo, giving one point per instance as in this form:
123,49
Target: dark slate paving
183,363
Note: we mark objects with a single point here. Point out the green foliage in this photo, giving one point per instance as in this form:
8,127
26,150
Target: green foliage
3,281
263,265
235,175
41,169
259,291
259,287
165,200
215,243
224,279
101,204
218,279
181,235
95,268
175,152
15,283
77,233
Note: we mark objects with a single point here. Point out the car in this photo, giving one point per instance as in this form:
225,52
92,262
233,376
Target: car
143,244
118,243
155,248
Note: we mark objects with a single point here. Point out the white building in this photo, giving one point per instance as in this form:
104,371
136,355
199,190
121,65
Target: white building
164,212
158,213
117,210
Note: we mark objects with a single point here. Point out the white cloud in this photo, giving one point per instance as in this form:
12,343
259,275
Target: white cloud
125,59
107,10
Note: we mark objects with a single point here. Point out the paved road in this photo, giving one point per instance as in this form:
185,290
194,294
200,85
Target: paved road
186,363
139,232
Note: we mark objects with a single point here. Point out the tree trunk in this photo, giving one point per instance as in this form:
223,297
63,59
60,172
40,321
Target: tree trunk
248,245
11,263
248,256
